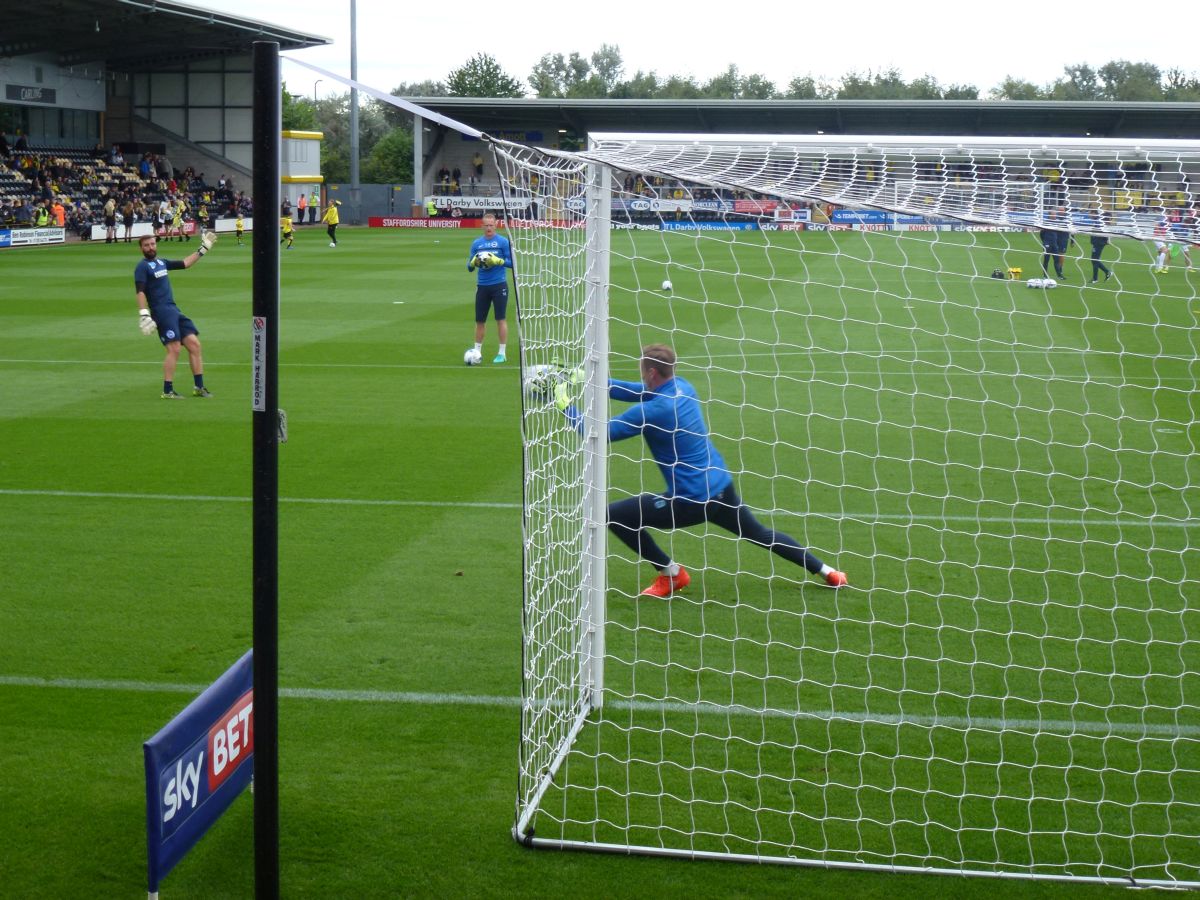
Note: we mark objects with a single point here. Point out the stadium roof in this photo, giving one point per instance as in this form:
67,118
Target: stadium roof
134,35
932,117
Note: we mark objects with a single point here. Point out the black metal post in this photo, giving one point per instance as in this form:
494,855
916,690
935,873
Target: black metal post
265,424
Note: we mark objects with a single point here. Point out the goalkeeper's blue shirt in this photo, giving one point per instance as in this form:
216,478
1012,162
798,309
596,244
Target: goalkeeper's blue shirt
150,277
672,422
502,248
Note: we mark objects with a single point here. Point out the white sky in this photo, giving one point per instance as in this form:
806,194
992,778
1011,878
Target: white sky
960,42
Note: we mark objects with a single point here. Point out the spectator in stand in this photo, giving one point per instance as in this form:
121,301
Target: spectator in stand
162,219
456,175
477,162
21,144
127,214
301,205
110,221
4,150
59,212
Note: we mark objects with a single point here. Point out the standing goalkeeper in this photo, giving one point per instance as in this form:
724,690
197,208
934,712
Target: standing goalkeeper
668,415
157,312
491,255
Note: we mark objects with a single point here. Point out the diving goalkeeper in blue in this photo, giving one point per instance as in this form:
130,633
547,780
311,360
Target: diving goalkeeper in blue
491,256
699,487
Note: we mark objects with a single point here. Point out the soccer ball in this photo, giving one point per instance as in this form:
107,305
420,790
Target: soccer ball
472,357
667,285
486,259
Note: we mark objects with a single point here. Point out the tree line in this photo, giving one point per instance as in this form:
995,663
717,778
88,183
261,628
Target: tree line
601,75
385,132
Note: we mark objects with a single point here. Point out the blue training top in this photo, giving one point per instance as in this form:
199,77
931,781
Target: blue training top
150,277
672,422
502,248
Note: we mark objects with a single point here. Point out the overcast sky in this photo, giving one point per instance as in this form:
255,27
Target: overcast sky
957,43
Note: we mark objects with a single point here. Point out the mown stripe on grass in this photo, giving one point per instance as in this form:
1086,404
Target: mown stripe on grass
419,698
1128,521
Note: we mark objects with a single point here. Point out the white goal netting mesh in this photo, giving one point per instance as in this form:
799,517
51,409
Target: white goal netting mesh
1007,474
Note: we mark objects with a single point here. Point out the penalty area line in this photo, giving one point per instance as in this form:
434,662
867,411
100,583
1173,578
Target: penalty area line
658,707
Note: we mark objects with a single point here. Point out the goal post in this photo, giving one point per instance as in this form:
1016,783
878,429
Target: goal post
914,360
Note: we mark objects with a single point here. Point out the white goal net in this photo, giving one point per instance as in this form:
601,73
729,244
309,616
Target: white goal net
1008,475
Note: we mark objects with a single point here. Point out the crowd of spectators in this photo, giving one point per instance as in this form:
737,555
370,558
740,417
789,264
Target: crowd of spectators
77,189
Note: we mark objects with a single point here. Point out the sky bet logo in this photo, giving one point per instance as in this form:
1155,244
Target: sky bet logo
229,742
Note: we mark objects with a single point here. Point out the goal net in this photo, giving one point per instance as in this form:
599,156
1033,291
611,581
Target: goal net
1008,474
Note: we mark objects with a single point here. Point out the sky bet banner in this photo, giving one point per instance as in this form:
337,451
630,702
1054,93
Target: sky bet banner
197,765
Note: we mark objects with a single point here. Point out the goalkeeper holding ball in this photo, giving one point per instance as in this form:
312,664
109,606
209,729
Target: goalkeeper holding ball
668,415
157,312
491,255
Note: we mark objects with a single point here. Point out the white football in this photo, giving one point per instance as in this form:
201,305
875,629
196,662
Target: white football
667,285
472,357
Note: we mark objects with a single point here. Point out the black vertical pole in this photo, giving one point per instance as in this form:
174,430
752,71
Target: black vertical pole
265,424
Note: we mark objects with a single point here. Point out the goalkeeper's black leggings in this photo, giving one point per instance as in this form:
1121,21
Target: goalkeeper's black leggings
628,520
332,231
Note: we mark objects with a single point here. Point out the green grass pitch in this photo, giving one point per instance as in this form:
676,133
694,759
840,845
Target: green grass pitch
125,566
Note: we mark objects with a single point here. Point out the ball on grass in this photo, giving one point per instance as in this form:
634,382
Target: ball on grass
666,285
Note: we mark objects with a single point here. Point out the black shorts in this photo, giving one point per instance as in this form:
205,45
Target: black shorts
173,325
110,221
491,296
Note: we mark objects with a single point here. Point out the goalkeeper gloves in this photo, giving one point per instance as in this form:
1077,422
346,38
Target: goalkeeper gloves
146,323
206,242
562,397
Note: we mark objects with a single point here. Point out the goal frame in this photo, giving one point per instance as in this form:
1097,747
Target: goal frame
886,196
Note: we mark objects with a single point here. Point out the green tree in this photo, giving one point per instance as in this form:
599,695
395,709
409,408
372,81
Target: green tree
299,114
854,86
482,76
757,87
679,88
889,85
808,88
1016,89
391,159
726,86
924,88
333,119
642,86
1079,82
961,92
607,67
1130,82
1180,86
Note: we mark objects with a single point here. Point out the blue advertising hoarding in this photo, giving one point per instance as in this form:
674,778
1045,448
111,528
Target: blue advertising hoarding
196,766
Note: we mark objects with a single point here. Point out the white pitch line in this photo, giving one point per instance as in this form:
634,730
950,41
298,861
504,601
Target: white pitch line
422,698
887,518
207,498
